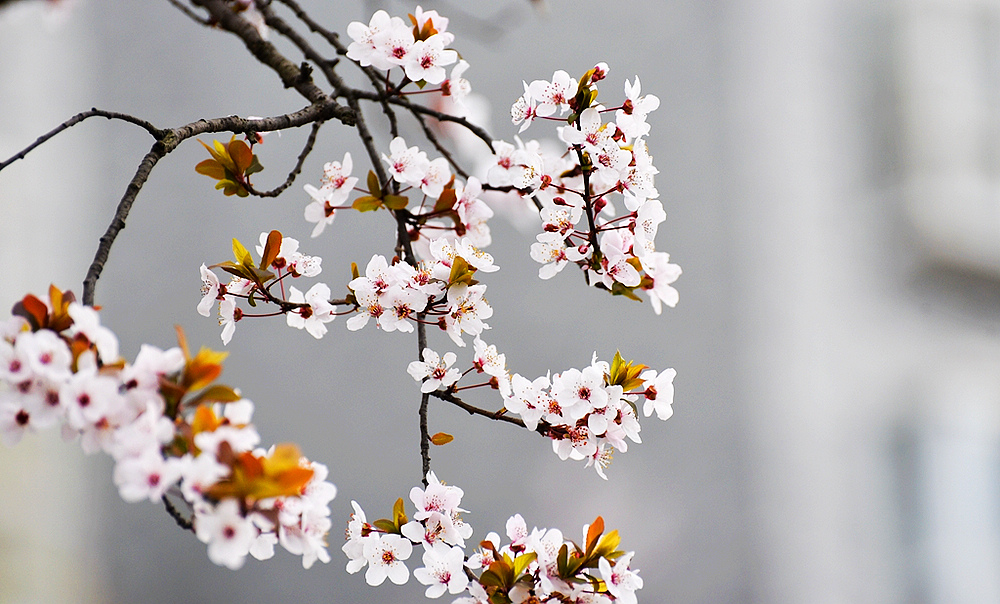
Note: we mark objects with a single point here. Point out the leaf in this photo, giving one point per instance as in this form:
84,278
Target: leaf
211,168
241,154
441,438
521,562
395,202
367,203
217,393
271,249
594,532
399,513
255,166
461,272
241,254
446,201
373,185
385,525
608,544
624,374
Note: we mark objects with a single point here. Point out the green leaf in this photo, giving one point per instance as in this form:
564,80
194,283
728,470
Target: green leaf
217,393
608,544
367,203
386,525
399,513
373,185
461,272
395,202
522,562
255,167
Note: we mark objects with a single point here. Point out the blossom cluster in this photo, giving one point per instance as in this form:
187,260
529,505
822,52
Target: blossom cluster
442,288
449,207
172,431
534,566
587,413
575,185
280,261
419,49
392,294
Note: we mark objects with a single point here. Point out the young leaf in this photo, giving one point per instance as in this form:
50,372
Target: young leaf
441,438
271,249
594,532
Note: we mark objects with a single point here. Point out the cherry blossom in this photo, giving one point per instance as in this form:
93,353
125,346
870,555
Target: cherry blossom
385,555
317,312
428,58
434,370
443,570
226,531
407,165
631,118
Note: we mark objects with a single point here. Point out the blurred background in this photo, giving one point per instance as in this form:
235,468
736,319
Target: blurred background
831,174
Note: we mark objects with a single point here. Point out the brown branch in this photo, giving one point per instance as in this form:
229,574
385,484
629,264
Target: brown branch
480,133
76,119
183,522
296,170
190,13
292,76
429,134
425,433
328,109
155,154
542,427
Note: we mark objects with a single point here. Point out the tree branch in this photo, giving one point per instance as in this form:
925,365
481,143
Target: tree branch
169,141
542,428
296,170
265,52
76,119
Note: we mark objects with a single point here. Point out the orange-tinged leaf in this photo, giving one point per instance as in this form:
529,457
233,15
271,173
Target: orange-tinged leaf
204,420
441,438
271,249
594,532
446,201
32,310
284,457
241,154
203,368
211,168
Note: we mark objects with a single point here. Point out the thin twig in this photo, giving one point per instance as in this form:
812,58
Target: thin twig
440,148
76,119
183,522
296,170
425,434
483,135
542,428
190,13
327,109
